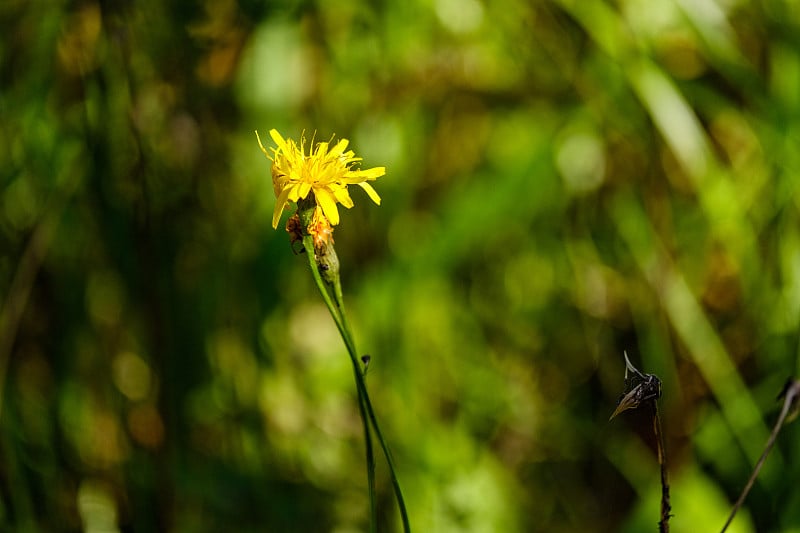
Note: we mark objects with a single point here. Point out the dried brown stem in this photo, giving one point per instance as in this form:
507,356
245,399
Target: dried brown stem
791,393
663,525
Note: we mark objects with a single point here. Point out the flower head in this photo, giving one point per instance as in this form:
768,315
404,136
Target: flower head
326,171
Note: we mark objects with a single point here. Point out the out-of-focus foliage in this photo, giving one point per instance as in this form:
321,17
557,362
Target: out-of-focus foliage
565,180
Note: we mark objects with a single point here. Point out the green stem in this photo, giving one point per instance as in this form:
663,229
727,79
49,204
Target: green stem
336,308
308,244
361,383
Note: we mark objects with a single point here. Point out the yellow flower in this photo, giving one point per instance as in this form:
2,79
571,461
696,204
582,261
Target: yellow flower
324,171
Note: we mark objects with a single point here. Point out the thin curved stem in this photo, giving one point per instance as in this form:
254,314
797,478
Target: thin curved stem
336,308
339,299
792,391
308,244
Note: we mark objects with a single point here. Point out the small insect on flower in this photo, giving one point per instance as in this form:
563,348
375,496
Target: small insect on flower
639,387
295,230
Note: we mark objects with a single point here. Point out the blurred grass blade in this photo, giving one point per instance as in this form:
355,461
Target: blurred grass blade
691,324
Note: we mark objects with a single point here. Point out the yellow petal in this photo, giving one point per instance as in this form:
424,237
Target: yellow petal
322,149
294,191
340,148
343,197
356,176
305,188
279,205
328,204
261,145
370,192
373,173
279,141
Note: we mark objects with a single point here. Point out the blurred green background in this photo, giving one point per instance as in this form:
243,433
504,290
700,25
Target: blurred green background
565,180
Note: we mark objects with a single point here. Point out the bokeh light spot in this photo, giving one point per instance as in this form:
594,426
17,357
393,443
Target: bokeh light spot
581,160
460,16
97,507
131,375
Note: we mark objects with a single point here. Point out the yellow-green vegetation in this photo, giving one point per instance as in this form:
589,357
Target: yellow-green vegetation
565,180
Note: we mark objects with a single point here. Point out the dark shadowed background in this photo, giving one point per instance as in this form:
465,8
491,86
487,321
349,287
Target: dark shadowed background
565,180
